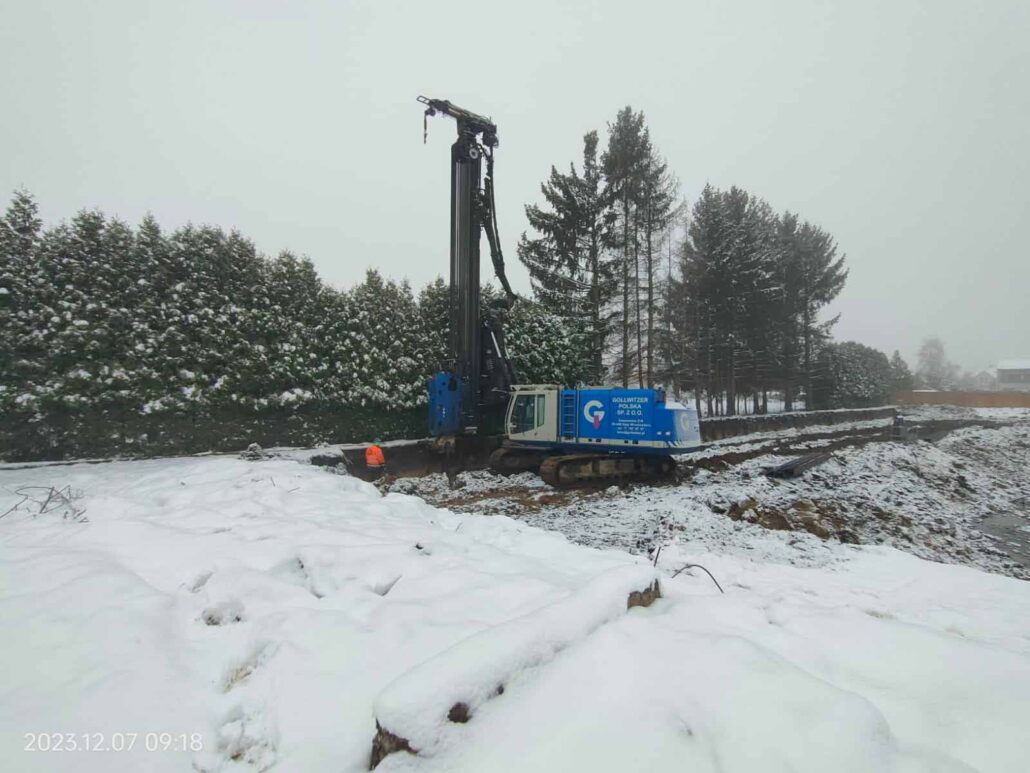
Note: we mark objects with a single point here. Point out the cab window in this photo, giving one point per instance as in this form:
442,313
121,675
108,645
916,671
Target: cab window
523,414
528,413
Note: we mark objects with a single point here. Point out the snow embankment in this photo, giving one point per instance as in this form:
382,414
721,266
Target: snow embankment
457,682
263,614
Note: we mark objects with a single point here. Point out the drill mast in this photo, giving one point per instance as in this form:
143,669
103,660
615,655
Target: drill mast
473,388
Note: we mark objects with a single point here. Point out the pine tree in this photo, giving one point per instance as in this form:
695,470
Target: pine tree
822,276
787,315
901,377
729,308
623,163
698,305
658,198
569,270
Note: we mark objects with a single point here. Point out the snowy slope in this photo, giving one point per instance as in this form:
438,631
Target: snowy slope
276,610
963,499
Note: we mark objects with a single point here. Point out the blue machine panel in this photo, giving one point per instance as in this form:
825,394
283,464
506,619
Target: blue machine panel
617,414
639,421
444,404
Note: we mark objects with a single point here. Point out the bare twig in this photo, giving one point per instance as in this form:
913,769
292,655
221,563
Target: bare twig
24,498
55,499
698,566
50,495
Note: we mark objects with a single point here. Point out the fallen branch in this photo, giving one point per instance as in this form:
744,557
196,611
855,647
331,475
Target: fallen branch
454,684
24,498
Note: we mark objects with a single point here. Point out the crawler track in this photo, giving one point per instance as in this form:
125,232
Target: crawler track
578,469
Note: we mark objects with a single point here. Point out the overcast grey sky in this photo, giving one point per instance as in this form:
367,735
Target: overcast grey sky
902,128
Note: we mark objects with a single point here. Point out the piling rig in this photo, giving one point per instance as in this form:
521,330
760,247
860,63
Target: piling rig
469,395
571,435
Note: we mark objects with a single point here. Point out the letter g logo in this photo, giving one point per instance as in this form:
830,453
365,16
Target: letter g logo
593,411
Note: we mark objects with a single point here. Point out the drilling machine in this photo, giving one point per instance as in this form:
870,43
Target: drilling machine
572,435
468,397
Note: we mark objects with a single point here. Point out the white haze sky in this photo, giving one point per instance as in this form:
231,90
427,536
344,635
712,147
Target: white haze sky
902,128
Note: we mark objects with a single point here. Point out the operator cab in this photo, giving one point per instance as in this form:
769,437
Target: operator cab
533,414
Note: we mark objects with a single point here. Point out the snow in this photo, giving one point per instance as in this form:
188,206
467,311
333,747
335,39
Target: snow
278,610
957,500
295,395
795,669
1013,365
472,671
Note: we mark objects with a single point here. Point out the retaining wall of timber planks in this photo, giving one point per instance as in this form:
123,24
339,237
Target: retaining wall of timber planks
718,428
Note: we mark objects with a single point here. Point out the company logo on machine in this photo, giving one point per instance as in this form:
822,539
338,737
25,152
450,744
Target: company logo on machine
684,421
593,411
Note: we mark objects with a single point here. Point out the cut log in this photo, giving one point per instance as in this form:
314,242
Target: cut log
385,743
644,598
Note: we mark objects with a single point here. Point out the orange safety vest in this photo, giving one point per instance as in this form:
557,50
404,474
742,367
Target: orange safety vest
374,456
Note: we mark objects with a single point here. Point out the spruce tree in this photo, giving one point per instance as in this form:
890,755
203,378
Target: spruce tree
758,291
623,163
658,199
822,275
571,275
901,377
699,315
787,312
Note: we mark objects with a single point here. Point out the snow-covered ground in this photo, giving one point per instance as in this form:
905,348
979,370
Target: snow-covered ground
269,612
964,499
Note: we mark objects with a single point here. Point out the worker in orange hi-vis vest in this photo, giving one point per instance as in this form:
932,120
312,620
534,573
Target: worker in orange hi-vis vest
375,461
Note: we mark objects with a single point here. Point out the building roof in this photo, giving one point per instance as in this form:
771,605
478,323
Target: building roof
1014,365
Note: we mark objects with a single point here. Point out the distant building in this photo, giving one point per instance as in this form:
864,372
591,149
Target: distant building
1014,375
985,381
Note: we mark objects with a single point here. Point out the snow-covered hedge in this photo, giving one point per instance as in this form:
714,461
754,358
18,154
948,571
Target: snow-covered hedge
113,339
851,375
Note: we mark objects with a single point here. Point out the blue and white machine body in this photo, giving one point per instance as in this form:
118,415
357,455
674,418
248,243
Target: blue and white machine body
601,420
